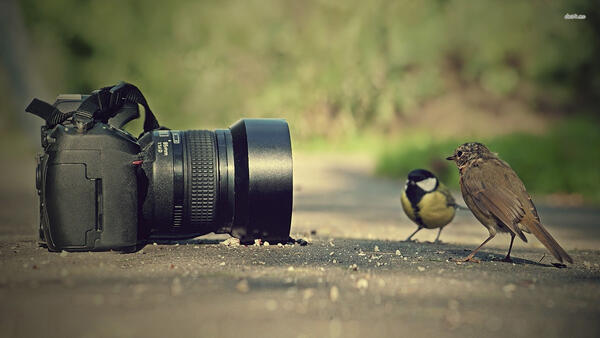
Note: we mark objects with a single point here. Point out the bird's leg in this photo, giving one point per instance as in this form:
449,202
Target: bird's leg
409,237
470,257
507,258
437,238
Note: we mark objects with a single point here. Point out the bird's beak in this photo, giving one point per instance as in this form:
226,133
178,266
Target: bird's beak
451,158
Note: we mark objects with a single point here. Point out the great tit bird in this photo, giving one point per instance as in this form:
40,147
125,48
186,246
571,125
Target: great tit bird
427,202
498,199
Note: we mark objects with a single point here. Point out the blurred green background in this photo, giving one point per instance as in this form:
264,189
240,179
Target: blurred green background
405,81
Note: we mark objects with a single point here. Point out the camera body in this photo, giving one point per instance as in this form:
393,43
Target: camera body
81,175
101,188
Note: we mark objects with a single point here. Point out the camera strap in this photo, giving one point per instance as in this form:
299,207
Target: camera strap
101,105
106,102
48,112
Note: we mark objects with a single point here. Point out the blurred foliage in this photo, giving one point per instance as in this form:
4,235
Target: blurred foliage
343,71
564,160
329,67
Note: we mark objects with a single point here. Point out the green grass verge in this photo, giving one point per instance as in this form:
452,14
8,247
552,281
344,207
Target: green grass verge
566,159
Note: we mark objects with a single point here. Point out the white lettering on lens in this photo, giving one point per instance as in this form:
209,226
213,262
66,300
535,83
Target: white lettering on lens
165,146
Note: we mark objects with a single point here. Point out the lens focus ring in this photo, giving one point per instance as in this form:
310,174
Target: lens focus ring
202,176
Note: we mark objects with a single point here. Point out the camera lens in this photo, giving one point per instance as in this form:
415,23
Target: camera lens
236,180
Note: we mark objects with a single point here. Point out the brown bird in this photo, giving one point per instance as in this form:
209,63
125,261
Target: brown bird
498,199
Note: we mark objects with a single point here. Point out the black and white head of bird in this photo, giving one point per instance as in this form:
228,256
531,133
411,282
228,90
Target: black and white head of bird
469,152
421,179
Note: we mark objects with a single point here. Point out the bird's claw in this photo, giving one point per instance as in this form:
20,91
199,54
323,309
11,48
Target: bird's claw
471,259
466,259
507,260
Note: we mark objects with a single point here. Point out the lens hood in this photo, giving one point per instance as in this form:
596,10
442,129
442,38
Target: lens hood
263,179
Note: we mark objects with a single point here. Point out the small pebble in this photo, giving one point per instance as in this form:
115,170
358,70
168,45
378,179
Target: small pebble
243,286
509,289
302,242
307,294
376,248
232,241
334,294
398,253
362,283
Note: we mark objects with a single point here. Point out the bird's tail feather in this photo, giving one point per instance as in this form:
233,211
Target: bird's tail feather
549,242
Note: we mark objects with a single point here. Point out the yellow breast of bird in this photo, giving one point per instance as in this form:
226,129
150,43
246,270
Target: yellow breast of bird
408,209
434,210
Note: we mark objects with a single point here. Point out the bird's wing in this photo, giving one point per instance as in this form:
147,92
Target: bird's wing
531,221
449,198
485,183
514,184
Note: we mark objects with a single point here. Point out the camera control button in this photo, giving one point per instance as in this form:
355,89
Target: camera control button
83,121
38,178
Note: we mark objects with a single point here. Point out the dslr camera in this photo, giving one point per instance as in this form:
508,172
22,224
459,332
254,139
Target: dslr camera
101,188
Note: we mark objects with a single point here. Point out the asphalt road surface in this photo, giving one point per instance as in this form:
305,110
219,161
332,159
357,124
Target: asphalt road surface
355,278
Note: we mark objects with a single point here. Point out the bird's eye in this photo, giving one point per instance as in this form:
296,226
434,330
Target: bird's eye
459,153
